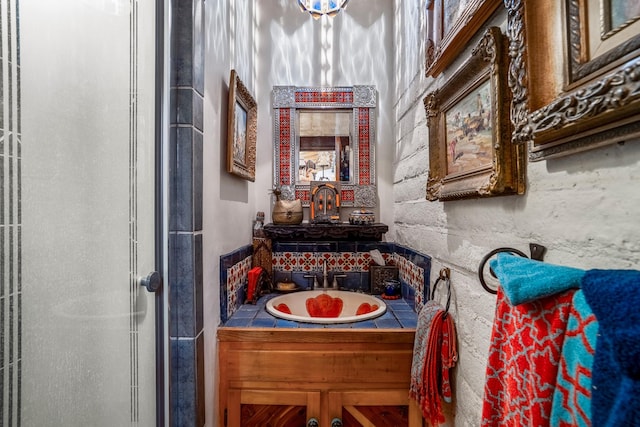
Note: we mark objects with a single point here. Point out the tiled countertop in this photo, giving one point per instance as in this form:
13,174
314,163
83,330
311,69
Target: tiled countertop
399,314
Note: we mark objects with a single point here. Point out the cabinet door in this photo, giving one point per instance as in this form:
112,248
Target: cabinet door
374,408
273,408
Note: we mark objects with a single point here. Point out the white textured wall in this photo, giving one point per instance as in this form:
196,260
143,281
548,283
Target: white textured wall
353,48
584,208
228,201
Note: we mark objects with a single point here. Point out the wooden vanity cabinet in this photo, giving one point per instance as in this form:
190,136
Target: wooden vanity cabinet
284,377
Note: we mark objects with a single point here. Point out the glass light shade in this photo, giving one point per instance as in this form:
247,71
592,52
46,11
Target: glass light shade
317,8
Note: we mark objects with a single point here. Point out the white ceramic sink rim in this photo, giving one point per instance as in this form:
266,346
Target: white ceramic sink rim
351,301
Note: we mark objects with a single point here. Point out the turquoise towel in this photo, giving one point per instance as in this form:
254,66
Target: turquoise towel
572,394
524,280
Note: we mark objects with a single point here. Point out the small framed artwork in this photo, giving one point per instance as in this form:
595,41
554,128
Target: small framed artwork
450,25
242,130
470,150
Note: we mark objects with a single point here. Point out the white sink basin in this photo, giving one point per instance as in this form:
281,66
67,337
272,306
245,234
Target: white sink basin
326,306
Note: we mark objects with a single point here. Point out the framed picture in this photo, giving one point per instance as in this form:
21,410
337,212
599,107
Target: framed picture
470,150
242,130
586,95
450,25
598,36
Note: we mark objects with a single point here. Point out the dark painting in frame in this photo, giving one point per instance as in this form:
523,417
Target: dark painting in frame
242,130
470,150
450,25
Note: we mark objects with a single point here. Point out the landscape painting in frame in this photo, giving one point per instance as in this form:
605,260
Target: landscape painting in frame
242,123
470,150
240,135
469,131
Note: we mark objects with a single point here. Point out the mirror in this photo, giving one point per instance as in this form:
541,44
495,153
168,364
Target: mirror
324,146
325,134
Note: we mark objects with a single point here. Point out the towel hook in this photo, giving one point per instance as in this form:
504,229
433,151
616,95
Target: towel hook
537,253
445,274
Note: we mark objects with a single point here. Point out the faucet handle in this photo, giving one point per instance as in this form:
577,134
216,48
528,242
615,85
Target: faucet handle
335,280
315,280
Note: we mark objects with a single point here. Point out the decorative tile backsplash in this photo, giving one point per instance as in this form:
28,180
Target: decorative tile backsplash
295,260
236,281
234,269
312,261
413,276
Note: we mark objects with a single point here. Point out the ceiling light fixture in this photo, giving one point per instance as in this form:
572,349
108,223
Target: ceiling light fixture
317,8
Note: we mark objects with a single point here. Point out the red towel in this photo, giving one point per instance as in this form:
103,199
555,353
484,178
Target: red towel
523,360
253,287
430,381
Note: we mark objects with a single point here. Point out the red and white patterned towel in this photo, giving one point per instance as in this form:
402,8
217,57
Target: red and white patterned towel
526,344
435,353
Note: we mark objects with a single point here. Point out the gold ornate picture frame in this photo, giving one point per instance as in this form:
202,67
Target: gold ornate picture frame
586,95
242,130
470,149
450,25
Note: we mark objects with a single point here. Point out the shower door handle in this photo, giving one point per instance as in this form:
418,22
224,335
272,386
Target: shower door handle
153,282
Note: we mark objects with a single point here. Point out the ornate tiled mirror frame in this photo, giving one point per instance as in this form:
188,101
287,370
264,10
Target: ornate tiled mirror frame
361,191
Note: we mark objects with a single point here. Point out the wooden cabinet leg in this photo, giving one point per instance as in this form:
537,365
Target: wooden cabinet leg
233,408
415,414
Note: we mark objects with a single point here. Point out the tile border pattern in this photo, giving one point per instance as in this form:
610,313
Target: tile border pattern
294,260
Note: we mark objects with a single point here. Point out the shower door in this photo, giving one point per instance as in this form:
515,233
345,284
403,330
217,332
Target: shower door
77,210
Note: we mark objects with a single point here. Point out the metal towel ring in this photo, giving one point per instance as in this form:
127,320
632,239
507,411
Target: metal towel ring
484,261
445,274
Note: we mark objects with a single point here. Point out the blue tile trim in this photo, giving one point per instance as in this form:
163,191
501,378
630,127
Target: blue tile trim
182,280
184,380
197,173
184,105
185,217
198,46
387,323
232,258
198,284
286,247
181,186
182,36
264,323
399,314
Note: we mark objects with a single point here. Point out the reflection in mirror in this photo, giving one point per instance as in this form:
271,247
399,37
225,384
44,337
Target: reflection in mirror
324,146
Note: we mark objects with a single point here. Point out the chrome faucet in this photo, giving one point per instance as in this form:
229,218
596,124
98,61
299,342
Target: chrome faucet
325,274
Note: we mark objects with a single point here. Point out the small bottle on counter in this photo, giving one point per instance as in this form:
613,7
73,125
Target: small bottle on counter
258,225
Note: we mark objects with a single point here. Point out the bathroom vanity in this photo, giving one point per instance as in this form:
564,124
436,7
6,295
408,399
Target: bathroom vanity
358,376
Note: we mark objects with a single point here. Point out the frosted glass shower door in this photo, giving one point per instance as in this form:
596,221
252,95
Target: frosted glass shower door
78,206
